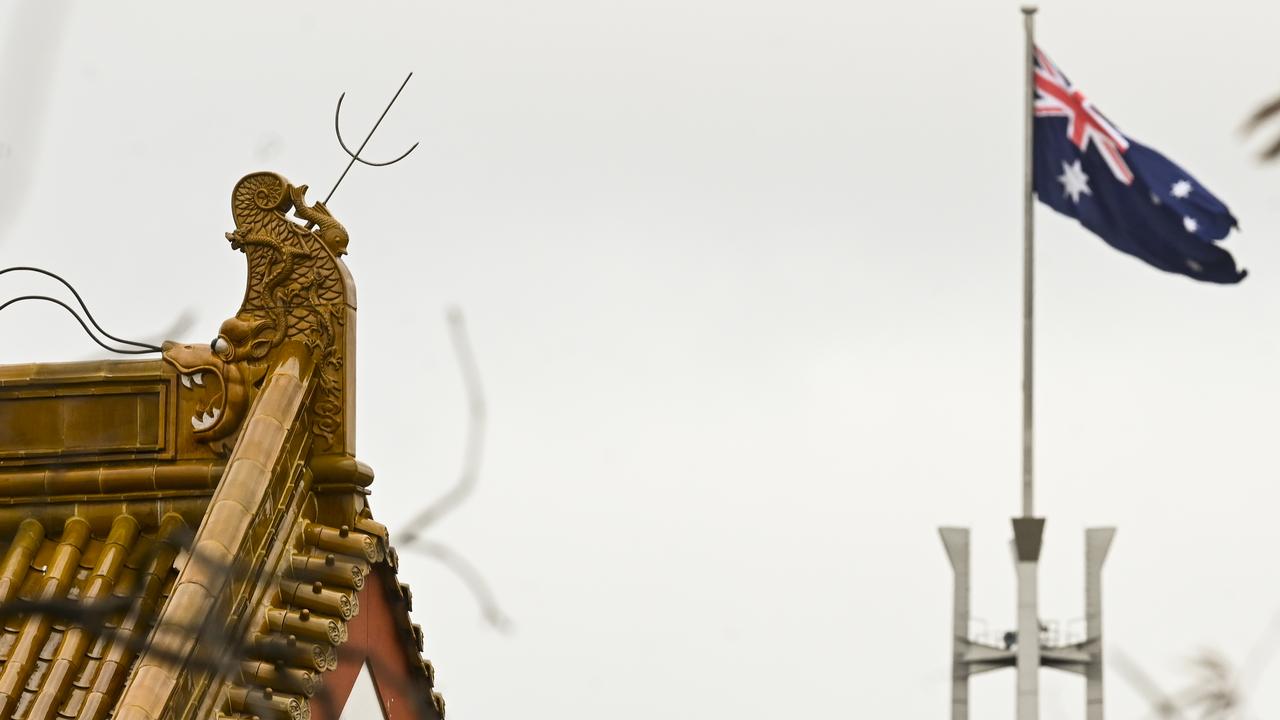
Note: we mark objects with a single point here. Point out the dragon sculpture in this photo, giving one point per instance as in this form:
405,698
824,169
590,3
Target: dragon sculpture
298,290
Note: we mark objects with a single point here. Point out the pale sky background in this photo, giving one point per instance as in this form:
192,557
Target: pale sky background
743,279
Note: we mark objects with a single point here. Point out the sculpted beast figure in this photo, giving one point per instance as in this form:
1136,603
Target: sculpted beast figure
298,289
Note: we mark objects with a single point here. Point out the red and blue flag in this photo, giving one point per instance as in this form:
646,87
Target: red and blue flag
1131,196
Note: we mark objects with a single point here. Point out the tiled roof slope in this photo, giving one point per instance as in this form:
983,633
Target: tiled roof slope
241,538
266,573
122,546
302,629
55,666
95,586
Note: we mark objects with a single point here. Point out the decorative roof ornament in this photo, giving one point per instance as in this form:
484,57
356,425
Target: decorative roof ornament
298,290
355,156
216,495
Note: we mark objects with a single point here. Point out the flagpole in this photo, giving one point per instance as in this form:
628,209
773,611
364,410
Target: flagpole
1028,268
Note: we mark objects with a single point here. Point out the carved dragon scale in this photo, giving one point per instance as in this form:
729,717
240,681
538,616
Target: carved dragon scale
298,290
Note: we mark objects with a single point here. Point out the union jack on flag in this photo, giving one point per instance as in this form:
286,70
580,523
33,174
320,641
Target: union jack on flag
1131,196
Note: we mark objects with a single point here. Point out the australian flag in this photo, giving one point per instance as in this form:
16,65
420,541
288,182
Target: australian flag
1133,197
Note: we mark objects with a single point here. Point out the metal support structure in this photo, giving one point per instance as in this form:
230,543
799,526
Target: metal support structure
1096,544
1027,535
956,541
1030,649
1027,650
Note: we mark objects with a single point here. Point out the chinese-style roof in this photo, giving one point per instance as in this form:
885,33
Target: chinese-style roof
190,537
53,666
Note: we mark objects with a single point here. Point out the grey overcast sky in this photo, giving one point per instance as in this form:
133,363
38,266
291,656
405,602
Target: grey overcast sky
743,281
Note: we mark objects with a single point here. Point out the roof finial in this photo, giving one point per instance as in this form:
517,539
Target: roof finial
337,128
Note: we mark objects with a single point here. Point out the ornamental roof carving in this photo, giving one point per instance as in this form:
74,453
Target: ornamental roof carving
190,537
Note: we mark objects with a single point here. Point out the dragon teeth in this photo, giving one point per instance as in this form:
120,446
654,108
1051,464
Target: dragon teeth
206,420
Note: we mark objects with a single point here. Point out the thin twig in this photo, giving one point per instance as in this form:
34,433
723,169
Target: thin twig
1163,705
411,538
1262,115
472,578
178,328
473,451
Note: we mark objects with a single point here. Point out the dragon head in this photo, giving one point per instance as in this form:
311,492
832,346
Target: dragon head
222,374
297,290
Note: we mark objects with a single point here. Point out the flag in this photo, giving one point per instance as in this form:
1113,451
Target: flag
1131,196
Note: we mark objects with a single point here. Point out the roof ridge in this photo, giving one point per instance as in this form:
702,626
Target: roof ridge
221,537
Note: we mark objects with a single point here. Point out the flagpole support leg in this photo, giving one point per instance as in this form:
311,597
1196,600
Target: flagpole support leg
956,542
1097,543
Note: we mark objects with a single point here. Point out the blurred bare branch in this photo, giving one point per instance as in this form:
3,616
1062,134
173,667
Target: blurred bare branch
472,455
180,326
1260,655
476,424
1263,115
471,577
1163,705
1216,691
29,58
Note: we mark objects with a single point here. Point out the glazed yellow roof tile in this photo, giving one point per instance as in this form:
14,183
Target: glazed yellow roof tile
89,600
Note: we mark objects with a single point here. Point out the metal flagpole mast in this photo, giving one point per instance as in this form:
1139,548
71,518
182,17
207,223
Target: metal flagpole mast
1027,649
1028,269
1028,530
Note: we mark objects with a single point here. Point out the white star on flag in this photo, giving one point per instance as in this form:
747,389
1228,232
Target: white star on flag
1181,189
1190,224
1074,181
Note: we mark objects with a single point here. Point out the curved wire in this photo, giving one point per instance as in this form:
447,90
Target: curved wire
356,155
337,129
149,347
